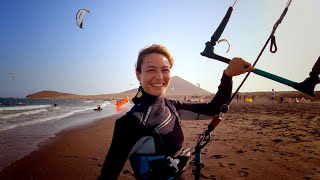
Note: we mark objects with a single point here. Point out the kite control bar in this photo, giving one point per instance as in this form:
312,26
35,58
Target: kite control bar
307,86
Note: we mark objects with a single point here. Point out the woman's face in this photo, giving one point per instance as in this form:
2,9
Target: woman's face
155,74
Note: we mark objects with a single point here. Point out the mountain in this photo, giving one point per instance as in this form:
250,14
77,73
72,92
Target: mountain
178,88
48,95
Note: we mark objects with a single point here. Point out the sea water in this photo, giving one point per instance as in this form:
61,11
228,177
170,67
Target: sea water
24,123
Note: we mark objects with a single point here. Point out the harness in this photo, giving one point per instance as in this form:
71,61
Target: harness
147,158
146,164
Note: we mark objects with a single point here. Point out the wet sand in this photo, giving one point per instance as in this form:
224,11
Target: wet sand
258,140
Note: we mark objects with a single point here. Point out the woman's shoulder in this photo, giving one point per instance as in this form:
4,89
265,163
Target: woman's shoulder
176,103
127,119
137,108
134,113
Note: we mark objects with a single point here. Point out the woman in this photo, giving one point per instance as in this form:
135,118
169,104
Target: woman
150,134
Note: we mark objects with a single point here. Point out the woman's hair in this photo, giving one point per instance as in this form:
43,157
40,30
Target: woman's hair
154,48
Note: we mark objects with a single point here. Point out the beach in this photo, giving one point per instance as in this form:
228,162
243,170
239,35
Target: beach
258,140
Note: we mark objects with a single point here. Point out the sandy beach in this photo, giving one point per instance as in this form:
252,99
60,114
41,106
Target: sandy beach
258,140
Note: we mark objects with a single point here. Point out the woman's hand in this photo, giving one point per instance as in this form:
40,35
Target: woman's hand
238,66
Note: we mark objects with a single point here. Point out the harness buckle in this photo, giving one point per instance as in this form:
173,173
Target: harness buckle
174,163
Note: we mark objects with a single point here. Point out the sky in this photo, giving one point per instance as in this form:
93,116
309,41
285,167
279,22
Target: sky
42,45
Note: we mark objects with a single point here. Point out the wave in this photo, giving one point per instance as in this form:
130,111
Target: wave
22,113
17,108
34,121
104,104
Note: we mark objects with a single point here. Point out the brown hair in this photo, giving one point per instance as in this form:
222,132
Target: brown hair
154,48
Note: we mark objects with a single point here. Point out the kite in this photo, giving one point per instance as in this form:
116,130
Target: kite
80,17
121,102
12,76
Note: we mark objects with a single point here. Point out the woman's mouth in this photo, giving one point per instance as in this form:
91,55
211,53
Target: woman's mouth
157,84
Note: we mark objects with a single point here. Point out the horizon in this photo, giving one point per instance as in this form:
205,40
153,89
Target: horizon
240,92
52,90
42,49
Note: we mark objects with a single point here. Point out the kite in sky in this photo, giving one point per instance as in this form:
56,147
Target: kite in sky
80,17
12,75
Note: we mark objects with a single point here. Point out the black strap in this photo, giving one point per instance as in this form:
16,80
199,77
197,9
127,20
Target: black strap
273,44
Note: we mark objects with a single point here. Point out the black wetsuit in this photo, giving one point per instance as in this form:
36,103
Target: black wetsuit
159,118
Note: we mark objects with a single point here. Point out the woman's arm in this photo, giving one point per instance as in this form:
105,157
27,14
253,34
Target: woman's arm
206,110
236,67
122,143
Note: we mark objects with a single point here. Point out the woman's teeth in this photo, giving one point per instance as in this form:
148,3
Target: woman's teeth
157,85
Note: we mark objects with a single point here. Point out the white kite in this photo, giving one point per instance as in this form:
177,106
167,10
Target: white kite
80,17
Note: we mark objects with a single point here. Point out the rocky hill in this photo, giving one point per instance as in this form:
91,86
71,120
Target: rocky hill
178,89
49,95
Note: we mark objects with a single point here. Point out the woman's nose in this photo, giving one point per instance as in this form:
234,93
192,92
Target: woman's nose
159,75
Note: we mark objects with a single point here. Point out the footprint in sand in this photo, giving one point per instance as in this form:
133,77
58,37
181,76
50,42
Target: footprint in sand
261,150
277,140
221,165
218,156
240,151
243,173
94,158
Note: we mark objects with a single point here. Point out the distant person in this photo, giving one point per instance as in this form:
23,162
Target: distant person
150,134
54,104
281,99
273,95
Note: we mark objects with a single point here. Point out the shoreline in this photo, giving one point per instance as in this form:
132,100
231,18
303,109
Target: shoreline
254,141
31,130
69,148
22,140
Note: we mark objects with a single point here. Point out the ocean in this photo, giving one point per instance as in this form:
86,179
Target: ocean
24,123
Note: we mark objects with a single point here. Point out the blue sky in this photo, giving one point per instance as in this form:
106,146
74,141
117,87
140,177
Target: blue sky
41,43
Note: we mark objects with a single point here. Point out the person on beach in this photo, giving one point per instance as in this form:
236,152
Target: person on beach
150,134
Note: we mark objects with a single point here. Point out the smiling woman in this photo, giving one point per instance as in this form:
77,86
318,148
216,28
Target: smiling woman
153,69
150,133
